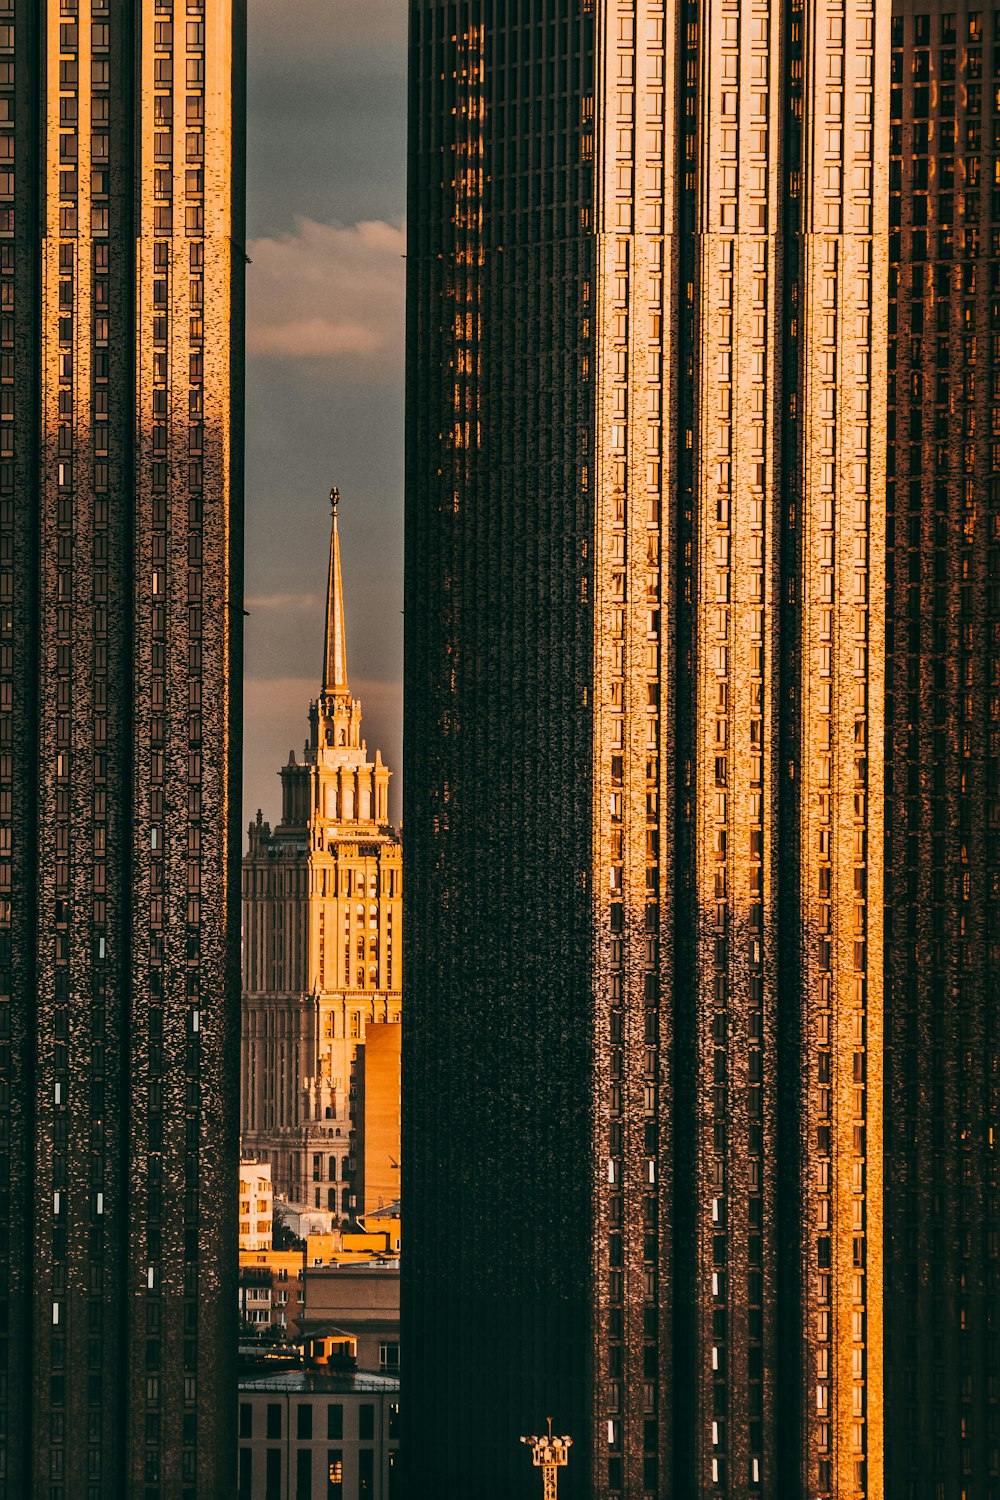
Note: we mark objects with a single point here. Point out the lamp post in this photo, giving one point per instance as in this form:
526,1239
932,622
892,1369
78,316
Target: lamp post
549,1454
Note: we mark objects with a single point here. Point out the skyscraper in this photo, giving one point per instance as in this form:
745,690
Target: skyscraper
644,776
121,267
942,1396
322,938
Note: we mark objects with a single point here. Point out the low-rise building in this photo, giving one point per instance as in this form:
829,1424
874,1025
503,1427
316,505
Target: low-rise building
303,1221
325,1432
256,1206
272,1282
363,1301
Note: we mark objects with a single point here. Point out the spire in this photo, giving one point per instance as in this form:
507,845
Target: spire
335,653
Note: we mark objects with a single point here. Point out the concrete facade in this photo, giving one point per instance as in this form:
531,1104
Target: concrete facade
256,1206
377,1117
306,1436
361,1300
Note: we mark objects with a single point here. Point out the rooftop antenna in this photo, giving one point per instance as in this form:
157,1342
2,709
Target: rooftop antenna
550,1454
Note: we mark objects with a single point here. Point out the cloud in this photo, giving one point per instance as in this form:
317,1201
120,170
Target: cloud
308,603
329,292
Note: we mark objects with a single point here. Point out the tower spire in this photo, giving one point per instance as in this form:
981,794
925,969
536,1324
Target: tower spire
335,651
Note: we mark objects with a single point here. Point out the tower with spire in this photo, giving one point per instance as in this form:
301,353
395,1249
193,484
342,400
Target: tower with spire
322,937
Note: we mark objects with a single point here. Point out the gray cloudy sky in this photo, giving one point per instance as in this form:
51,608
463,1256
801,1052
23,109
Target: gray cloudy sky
326,198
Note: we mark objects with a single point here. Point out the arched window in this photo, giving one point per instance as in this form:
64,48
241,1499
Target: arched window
345,1199
332,1172
331,1199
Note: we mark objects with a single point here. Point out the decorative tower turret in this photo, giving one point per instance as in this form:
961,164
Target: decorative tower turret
322,912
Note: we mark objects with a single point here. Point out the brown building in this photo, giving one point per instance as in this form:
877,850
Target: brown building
363,1302
121,273
942,1394
322,939
376,1118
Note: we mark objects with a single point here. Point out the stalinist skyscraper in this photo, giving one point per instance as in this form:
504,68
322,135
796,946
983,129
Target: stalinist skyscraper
645,776
322,937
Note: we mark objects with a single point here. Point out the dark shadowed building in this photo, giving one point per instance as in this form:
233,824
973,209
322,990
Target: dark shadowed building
942,1397
650,754
121,269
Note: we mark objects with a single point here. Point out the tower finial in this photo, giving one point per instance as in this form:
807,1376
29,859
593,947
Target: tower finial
335,652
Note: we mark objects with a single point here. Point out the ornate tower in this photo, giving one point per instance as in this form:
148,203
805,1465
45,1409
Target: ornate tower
322,937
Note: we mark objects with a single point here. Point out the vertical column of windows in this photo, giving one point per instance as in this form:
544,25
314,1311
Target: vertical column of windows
65,896
155,952
13,664
190,359
611,314
99,533
732,296
842,805
632,322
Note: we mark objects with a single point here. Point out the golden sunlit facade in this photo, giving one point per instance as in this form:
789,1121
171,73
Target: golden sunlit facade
120,529
322,940
648,251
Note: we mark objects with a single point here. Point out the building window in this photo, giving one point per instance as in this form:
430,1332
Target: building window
366,1473
335,1420
303,1469
388,1356
272,1481
246,1474
304,1421
366,1421
246,1420
335,1474
273,1420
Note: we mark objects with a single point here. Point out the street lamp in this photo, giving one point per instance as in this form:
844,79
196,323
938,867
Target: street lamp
549,1454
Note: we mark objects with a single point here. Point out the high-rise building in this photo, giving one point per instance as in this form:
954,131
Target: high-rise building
322,938
121,271
646,756
942,1110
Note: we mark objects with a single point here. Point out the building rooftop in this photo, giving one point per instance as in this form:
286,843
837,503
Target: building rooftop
315,1382
382,1265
